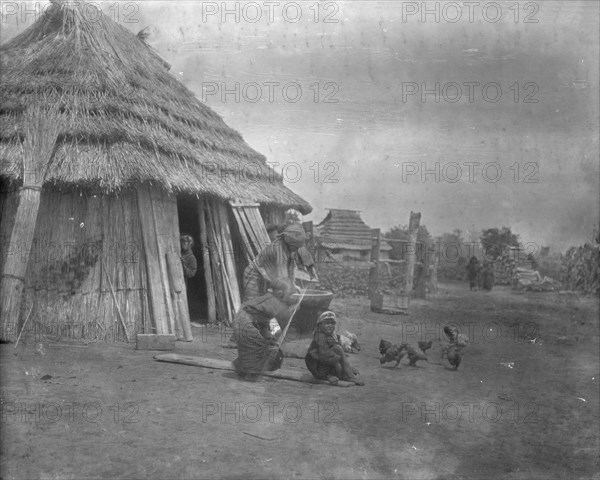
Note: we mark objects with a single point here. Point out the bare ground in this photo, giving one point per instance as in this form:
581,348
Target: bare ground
74,411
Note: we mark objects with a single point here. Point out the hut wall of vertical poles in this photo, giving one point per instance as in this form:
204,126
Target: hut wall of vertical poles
97,268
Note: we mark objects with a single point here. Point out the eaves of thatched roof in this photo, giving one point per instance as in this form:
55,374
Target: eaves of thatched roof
124,118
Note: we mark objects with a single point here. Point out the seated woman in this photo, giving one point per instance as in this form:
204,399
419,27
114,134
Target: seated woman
326,358
257,349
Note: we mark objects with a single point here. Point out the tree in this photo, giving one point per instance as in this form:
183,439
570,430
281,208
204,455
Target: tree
401,233
495,241
453,255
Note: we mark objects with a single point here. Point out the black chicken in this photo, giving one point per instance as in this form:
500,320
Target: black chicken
383,346
424,346
454,357
414,356
393,352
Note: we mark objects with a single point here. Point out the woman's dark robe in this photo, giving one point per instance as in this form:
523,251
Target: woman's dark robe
252,334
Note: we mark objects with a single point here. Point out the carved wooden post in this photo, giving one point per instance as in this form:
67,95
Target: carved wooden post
413,228
375,295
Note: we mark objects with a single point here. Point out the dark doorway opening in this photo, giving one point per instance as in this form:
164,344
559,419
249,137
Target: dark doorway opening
187,209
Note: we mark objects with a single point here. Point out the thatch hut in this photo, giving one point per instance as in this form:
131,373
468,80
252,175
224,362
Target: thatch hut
345,236
132,160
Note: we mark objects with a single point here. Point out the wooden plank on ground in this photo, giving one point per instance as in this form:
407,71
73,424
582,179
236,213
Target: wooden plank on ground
205,362
155,342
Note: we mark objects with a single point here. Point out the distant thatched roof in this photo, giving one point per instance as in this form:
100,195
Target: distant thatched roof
126,119
345,229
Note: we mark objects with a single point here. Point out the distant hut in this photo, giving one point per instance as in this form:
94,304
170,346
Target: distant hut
127,159
344,236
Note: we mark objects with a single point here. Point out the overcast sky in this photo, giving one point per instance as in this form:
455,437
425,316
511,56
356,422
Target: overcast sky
519,148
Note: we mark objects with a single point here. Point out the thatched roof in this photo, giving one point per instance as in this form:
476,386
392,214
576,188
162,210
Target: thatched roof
126,119
345,229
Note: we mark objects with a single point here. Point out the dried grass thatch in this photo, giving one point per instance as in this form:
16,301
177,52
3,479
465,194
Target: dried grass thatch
126,118
345,229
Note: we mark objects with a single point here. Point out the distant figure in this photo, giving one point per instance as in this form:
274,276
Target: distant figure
488,275
473,272
188,260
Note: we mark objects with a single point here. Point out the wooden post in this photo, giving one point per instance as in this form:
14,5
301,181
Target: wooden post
42,130
177,283
375,295
421,280
158,307
433,283
413,228
310,236
210,289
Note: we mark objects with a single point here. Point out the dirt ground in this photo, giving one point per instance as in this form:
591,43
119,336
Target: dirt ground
524,403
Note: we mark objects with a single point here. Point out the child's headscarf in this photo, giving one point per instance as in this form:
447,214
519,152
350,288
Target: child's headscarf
327,316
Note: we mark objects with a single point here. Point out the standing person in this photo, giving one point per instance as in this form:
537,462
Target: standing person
488,275
473,272
257,348
188,260
304,259
274,230
274,261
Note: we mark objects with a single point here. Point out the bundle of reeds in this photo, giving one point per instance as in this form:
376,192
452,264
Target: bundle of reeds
217,235
42,128
251,227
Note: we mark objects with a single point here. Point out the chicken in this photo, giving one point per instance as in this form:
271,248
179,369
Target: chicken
457,342
454,357
451,333
393,352
414,356
461,340
383,346
424,346
349,342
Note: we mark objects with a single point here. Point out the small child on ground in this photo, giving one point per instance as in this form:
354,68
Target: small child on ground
326,359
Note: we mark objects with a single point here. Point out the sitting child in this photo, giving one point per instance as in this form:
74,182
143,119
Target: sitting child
326,358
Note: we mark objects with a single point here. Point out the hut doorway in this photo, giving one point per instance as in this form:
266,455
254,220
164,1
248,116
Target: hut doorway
187,209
